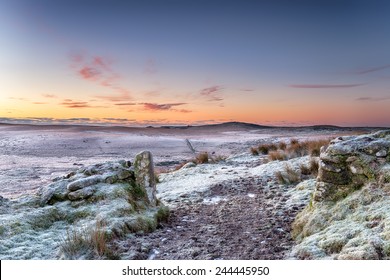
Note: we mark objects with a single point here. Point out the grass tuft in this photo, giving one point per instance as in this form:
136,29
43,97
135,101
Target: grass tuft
254,151
277,155
202,158
87,243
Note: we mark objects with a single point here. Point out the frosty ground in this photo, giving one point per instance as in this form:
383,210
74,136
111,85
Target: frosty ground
230,209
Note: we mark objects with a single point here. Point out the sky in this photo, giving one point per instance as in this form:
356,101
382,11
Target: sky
189,62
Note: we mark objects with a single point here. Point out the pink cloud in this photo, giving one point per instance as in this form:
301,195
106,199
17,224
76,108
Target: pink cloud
97,69
89,73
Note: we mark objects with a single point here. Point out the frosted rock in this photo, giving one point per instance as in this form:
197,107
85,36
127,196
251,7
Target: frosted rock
144,175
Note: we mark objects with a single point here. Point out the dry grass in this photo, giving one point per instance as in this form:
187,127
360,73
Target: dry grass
314,146
288,176
311,169
90,243
254,151
202,158
305,170
277,155
282,145
266,148
314,165
292,175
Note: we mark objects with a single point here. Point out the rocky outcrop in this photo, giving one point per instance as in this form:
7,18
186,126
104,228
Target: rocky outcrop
349,214
106,201
350,162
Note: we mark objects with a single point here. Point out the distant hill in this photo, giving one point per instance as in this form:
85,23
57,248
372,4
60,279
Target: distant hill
225,125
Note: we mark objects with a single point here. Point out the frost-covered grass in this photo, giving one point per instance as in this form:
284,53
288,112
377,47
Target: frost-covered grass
357,227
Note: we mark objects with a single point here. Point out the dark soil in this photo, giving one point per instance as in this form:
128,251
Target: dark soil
250,221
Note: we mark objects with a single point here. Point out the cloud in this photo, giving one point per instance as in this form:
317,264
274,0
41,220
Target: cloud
49,95
69,103
183,111
89,73
372,99
39,103
213,93
373,69
331,86
97,69
160,107
125,104
247,89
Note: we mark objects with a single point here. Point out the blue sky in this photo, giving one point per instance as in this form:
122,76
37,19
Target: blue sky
273,62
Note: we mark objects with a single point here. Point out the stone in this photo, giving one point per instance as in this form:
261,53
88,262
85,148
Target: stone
381,153
144,175
189,165
81,193
124,174
84,182
54,192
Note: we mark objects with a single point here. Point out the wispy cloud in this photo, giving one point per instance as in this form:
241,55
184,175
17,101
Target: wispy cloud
372,99
39,103
49,95
330,86
372,69
160,107
97,69
213,93
125,104
69,103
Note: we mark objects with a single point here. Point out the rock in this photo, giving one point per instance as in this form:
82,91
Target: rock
144,175
81,193
124,174
348,163
56,191
189,165
84,182
347,217
381,153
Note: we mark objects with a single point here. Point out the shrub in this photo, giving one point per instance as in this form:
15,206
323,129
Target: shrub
294,141
263,149
289,176
254,151
297,149
314,146
90,243
202,158
292,175
277,155
280,178
282,145
305,170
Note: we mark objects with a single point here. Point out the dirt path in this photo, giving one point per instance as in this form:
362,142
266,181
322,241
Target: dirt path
241,220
